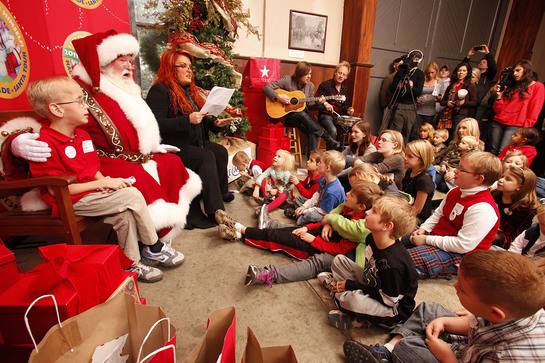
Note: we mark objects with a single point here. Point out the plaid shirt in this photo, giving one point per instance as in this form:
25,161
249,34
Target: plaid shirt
521,340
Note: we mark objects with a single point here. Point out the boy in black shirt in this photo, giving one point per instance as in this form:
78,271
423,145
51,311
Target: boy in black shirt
382,293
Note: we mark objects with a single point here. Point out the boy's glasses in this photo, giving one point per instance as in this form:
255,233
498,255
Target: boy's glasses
81,101
460,170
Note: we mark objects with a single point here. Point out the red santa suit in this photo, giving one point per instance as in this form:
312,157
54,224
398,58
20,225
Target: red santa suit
165,183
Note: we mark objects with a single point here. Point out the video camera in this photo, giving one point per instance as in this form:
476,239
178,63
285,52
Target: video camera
410,60
504,78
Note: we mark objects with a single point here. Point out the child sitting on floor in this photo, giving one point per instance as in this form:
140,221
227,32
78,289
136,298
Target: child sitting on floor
531,242
60,99
504,294
274,183
310,185
523,141
445,171
329,195
517,203
440,137
466,220
338,234
341,232
249,170
383,291
418,182
368,172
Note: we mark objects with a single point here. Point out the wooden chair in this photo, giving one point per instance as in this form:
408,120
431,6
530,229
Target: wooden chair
15,222
295,144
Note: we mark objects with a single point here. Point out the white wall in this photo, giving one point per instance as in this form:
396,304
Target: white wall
274,29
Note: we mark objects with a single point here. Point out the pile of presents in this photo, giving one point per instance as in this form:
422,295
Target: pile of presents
272,138
79,305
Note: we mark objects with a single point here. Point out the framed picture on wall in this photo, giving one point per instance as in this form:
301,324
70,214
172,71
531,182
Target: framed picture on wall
307,31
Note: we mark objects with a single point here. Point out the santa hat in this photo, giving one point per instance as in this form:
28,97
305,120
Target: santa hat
100,49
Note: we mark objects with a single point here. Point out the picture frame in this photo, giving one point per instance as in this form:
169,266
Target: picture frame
307,31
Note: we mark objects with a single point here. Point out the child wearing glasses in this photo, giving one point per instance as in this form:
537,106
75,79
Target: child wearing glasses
60,99
465,221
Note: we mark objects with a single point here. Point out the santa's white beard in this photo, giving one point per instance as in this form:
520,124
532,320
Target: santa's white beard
126,84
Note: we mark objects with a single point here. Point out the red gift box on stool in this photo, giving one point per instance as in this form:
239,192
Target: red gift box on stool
269,144
260,71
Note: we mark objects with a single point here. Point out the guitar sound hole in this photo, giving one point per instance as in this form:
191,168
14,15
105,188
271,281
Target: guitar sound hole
294,101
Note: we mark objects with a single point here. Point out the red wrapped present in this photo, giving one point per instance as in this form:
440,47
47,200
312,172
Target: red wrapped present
9,270
268,144
284,143
265,156
260,71
279,130
269,131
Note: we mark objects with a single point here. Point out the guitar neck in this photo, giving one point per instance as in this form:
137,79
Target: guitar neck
312,99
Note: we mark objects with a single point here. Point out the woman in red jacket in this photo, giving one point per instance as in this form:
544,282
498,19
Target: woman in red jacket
516,106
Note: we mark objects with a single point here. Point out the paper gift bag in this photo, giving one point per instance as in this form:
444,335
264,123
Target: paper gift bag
260,71
255,354
76,338
219,339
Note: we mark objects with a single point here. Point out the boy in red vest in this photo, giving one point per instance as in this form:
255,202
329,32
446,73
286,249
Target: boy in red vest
466,220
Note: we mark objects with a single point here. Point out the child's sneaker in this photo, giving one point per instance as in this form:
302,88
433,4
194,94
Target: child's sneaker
326,278
263,216
259,275
167,257
227,232
356,352
342,321
223,218
146,273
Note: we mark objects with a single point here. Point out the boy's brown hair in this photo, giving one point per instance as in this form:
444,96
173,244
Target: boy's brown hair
486,164
398,211
505,279
317,154
366,192
241,159
335,160
45,91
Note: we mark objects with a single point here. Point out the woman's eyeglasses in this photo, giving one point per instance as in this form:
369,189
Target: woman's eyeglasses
184,66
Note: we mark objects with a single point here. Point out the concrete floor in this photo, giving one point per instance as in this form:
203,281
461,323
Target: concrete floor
213,275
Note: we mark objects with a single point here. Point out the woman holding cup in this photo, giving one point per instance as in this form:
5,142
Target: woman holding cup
459,97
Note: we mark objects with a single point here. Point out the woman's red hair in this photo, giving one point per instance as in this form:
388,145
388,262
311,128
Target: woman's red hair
167,75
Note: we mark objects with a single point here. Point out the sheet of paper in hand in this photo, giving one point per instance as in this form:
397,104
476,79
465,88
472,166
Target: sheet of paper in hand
217,100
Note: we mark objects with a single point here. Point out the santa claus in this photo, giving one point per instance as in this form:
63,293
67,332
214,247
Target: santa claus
123,129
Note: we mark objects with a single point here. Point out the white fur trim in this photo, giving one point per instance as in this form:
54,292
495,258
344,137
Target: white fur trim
18,124
165,214
116,45
32,201
134,107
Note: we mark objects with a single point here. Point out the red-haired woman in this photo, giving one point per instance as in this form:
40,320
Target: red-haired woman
176,104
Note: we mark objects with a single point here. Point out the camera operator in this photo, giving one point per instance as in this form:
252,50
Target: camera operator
488,67
517,105
406,87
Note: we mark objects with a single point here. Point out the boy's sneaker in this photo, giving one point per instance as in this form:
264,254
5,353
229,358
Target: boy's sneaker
146,273
290,213
259,275
167,257
263,216
356,352
273,224
341,320
223,218
326,278
227,232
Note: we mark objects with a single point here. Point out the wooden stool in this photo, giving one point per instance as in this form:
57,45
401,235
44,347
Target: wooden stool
295,144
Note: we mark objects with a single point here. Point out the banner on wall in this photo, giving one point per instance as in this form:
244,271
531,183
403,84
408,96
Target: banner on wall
36,39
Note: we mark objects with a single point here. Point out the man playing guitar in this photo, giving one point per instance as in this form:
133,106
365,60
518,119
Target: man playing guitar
300,80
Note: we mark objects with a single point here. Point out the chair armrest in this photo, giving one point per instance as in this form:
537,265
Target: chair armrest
54,181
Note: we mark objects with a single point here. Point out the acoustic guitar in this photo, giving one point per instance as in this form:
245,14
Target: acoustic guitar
297,103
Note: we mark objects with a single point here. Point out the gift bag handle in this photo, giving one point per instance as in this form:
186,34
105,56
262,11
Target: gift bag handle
170,346
28,325
147,336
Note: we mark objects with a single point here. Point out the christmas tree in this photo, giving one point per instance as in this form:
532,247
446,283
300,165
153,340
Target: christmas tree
207,29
